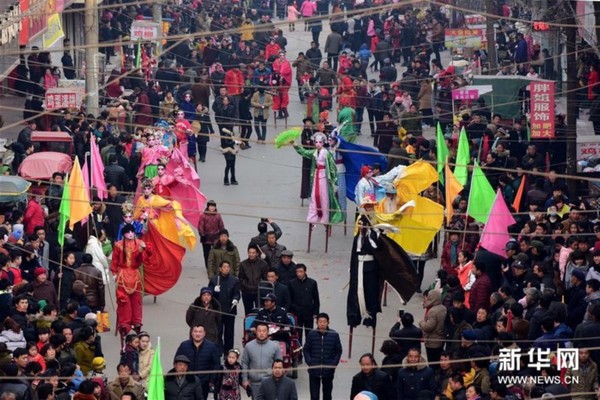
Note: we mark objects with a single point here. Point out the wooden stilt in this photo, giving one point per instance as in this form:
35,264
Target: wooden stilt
275,119
374,334
154,299
385,290
345,225
350,337
301,202
327,232
309,236
286,121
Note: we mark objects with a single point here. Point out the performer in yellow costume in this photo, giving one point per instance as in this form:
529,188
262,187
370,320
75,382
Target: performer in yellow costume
165,215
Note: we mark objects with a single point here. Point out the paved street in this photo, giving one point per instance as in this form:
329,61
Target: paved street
269,187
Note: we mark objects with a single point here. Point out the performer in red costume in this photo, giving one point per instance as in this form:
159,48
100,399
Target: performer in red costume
128,256
163,181
283,68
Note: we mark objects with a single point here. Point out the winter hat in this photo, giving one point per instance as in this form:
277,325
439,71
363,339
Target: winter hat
82,311
206,290
364,170
39,271
469,334
398,99
366,395
579,274
98,363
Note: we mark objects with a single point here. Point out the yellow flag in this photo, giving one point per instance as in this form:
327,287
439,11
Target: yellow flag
453,188
78,196
414,179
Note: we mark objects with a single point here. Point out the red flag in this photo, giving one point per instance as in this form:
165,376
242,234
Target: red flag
517,202
163,268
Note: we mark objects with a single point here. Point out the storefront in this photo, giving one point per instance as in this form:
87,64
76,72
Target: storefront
10,23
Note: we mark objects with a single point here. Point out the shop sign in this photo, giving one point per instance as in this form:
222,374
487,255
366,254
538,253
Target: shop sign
542,109
59,98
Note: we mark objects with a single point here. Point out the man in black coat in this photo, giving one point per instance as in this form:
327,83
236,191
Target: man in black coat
304,293
115,174
286,268
587,333
408,336
322,348
372,379
576,299
203,356
181,386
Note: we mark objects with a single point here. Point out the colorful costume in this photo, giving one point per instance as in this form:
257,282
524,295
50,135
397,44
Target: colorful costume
341,171
169,222
346,118
306,140
324,207
127,258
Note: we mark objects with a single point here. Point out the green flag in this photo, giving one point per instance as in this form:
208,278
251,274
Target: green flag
156,380
442,153
64,212
138,55
463,158
481,196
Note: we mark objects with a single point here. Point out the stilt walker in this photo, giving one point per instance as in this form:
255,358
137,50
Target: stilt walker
324,207
128,256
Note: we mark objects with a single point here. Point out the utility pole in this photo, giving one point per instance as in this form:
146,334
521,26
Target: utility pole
91,57
157,17
571,33
490,9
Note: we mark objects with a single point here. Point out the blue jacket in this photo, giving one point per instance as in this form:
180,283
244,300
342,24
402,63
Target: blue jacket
322,349
188,109
412,381
262,78
206,357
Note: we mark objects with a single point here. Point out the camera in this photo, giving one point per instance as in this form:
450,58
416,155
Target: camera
264,219
400,312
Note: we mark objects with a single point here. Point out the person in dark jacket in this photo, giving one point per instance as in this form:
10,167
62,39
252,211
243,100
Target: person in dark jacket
181,386
252,270
277,386
304,293
372,379
286,268
203,356
206,311
260,240
405,333
226,289
322,348
92,278
576,299
387,130
481,289
457,385
414,377
115,174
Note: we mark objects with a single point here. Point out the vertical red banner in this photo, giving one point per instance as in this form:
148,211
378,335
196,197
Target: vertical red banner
24,34
542,109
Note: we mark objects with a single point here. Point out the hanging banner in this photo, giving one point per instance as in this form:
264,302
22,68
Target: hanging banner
463,38
34,20
59,98
144,30
465,94
542,109
54,32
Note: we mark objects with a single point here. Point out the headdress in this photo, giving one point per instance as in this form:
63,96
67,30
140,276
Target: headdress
147,182
127,208
319,136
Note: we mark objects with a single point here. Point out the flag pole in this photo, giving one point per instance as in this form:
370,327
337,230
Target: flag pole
60,270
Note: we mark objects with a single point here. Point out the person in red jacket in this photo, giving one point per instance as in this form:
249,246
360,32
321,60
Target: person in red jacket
34,215
481,289
272,49
234,81
283,67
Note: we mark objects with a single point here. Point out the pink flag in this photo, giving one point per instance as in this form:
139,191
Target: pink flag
495,233
85,170
98,171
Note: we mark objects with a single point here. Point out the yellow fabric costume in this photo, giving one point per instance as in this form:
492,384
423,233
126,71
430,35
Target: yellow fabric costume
167,217
419,224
